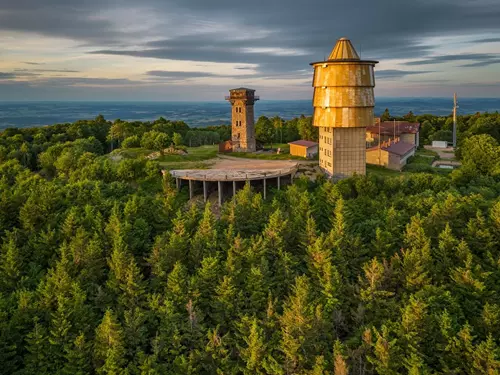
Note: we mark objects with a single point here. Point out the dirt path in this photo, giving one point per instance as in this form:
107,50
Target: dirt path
231,162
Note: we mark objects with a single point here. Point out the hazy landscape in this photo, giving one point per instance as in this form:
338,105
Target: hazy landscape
25,114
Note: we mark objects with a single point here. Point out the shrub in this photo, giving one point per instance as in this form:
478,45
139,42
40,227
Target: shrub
131,142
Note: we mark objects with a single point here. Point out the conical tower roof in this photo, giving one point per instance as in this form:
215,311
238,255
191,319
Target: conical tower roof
343,50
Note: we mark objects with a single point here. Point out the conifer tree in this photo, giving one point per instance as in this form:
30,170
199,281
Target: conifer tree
413,323
59,334
299,326
308,233
416,255
168,249
479,235
374,293
339,361
205,282
325,274
226,302
486,357
254,351
204,242
256,288
385,356
10,264
109,348
217,358
276,233
495,219
36,360
491,318
383,243
177,284
135,334
77,357
445,253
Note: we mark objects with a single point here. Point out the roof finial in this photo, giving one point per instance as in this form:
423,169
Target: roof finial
343,50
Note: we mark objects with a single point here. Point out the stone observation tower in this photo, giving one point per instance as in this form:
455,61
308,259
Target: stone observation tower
343,104
243,130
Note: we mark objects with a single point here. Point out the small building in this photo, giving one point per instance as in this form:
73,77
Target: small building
407,131
392,155
440,144
305,149
226,146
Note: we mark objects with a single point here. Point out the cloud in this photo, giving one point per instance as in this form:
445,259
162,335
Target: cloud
83,81
395,73
47,70
451,58
277,39
4,75
481,63
180,75
32,63
486,40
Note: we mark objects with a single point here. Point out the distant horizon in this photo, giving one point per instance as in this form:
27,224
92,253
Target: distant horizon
206,113
222,100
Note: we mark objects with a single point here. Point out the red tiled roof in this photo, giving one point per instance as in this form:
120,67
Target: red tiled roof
387,128
303,143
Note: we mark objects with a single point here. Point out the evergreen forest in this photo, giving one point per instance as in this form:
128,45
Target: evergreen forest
105,268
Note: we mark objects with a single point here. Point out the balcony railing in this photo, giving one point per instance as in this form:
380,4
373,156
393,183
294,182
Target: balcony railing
256,97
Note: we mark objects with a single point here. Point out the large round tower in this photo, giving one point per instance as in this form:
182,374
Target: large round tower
343,104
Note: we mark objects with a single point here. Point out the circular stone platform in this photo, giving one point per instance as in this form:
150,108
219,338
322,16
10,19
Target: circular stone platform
231,174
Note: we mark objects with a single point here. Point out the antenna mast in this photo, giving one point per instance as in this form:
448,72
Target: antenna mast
455,106
379,150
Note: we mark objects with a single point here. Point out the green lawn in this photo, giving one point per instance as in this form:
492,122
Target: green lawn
250,155
283,155
381,171
184,165
193,154
419,159
425,152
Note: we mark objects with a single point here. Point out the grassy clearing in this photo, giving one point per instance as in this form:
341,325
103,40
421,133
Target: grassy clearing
185,165
425,152
250,155
419,159
193,154
283,155
381,171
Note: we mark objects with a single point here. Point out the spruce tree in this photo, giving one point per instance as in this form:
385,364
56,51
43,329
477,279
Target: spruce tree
204,242
77,357
37,358
299,327
10,264
109,348
254,351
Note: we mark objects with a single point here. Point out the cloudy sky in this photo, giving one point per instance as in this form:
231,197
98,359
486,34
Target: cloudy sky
197,49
